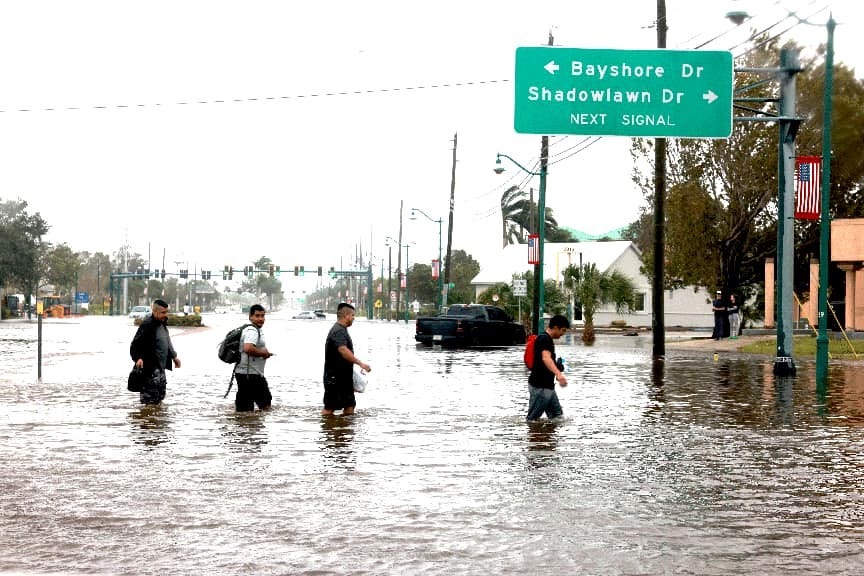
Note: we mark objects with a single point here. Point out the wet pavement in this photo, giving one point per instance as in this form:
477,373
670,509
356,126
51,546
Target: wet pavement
704,466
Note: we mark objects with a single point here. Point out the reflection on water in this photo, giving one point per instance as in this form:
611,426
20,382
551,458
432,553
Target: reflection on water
245,431
337,434
151,425
692,465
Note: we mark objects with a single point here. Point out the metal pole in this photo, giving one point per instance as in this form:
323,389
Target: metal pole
389,281
658,321
825,216
406,283
784,365
440,275
539,303
369,281
39,346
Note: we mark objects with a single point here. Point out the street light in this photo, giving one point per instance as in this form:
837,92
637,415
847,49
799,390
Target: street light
440,263
537,304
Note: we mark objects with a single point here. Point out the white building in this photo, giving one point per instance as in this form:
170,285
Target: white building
685,307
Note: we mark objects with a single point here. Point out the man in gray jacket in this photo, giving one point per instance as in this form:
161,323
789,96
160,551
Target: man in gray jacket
151,349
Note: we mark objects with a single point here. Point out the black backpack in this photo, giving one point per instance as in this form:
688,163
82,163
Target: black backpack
229,348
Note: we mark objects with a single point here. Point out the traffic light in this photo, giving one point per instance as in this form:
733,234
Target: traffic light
320,270
156,273
332,271
184,273
302,271
278,271
272,270
248,271
163,274
296,270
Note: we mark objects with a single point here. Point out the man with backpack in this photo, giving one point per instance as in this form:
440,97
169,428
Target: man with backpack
252,387
545,370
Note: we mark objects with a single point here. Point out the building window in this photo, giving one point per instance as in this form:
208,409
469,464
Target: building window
639,303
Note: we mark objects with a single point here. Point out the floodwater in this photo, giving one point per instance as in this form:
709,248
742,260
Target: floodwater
705,467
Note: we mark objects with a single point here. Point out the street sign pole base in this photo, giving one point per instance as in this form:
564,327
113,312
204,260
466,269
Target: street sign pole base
784,366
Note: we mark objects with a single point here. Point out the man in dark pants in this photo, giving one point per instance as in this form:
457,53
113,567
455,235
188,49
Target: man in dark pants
151,349
339,363
252,387
719,308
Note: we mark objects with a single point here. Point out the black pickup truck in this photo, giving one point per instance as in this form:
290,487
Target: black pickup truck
470,325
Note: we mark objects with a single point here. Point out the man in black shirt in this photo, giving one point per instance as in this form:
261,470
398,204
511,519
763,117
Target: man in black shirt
545,371
339,360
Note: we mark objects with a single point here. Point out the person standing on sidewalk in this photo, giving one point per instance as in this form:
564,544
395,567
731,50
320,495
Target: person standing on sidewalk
252,387
545,371
339,360
719,308
151,350
734,317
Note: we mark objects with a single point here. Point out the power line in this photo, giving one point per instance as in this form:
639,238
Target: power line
265,98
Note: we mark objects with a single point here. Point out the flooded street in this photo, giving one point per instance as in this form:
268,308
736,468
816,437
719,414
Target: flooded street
710,467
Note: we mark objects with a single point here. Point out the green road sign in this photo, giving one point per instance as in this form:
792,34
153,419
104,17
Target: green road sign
659,93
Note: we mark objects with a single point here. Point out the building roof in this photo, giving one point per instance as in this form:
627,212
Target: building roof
513,259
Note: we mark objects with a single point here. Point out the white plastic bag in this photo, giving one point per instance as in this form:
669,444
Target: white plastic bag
360,379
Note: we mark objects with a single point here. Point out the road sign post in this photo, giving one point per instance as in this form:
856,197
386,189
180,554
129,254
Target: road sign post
643,93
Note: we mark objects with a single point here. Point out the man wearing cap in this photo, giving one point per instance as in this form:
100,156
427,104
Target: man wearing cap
719,308
339,360
151,349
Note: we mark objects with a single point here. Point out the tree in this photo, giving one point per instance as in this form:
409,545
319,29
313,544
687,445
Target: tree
61,268
464,269
513,222
518,218
721,219
593,288
422,286
21,246
93,276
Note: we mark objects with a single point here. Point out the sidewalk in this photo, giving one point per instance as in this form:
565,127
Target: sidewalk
707,343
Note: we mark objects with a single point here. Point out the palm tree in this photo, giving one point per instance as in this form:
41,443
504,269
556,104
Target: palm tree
518,217
513,208
593,288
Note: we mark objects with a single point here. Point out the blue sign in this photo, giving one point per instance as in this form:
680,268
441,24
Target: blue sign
82,297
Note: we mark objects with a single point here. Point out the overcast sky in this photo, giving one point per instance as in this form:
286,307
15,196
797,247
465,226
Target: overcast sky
203,128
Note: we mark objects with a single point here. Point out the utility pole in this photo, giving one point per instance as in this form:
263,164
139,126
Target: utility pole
658,323
450,224
538,304
399,261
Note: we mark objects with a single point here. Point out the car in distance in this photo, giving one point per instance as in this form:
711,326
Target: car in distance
139,312
305,315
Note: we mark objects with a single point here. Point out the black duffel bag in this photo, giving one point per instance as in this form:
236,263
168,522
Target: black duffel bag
136,380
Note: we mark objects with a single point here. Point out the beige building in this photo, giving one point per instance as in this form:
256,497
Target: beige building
847,252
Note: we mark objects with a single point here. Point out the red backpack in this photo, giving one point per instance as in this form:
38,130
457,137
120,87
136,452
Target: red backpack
529,351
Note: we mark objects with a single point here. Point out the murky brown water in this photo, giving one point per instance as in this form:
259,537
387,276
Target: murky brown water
708,468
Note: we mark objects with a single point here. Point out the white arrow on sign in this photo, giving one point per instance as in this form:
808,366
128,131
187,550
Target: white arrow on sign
709,97
551,67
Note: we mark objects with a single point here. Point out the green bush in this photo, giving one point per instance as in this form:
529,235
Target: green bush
179,320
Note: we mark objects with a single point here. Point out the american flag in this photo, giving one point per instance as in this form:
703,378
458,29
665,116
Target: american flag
808,182
533,249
